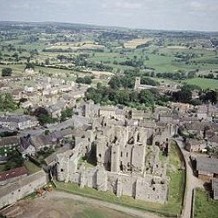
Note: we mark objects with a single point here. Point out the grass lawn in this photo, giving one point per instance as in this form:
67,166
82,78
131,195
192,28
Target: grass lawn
171,208
31,167
177,179
203,83
2,167
204,205
17,69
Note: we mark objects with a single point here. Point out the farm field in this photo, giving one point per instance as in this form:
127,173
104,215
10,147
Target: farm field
203,83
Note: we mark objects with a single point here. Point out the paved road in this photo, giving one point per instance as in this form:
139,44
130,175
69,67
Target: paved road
192,182
129,211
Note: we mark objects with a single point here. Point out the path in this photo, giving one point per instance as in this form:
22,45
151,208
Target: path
192,182
129,211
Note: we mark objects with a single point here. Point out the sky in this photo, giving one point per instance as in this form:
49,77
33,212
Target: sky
147,14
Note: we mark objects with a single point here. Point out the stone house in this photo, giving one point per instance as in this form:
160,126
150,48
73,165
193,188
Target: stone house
215,189
12,175
202,112
195,128
56,109
15,122
8,144
12,192
181,107
41,141
207,168
194,145
26,148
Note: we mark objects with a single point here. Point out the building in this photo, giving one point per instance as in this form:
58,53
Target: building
194,145
12,175
7,144
215,189
207,168
22,187
16,122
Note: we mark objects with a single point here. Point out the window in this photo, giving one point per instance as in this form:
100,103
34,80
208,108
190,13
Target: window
121,154
62,170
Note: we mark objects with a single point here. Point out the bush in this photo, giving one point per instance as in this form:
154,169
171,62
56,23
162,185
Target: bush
6,71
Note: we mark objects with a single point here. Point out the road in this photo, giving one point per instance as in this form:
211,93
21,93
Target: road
191,180
129,211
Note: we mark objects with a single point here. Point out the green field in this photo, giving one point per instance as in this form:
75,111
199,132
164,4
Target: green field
203,83
31,167
204,205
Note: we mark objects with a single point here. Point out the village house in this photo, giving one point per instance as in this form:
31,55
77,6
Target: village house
195,145
202,112
55,110
12,175
215,189
181,107
12,192
16,122
26,148
7,144
41,141
206,168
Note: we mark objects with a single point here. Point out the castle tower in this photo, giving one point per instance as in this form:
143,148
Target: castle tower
137,83
101,179
115,158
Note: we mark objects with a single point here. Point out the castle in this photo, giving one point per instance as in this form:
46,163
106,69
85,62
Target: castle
124,162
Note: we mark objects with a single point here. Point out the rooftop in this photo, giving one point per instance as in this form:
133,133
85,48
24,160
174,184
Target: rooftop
9,174
207,164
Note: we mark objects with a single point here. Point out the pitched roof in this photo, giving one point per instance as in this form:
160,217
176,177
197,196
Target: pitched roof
41,140
9,174
6,141
207,164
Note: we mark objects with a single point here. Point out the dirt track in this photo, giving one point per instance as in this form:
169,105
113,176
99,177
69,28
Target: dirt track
58,204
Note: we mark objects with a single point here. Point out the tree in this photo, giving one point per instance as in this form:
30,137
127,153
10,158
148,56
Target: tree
67,113
6,71
7,103
84,80
30,66
14,160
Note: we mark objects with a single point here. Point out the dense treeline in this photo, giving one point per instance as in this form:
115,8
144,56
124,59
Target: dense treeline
84,80
128,97
128,81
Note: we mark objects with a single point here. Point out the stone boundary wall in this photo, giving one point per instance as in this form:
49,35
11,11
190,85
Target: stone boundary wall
193,203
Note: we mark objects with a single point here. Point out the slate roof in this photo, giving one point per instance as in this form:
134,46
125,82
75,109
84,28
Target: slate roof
6,141
9,174
205,164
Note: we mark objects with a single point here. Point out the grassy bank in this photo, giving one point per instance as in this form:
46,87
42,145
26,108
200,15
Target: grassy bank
203,83
205,206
